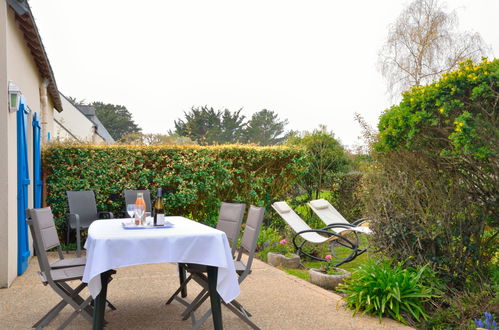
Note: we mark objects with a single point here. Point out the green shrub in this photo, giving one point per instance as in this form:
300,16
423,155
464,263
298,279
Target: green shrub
383,289
456,309
346,196
433,185
267,236
195,179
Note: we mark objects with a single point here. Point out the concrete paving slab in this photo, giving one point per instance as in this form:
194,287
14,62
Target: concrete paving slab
276,300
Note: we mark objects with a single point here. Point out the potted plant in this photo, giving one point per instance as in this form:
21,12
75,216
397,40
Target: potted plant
281,254
328,276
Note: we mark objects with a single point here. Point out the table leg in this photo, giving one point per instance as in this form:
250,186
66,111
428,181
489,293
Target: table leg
100,302
182,274
216,308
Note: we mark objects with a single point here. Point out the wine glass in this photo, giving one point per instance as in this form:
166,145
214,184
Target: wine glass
130,209
139,211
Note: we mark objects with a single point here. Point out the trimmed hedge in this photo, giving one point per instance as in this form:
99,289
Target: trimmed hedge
194,179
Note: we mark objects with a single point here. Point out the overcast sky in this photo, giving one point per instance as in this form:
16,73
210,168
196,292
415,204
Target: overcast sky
313,62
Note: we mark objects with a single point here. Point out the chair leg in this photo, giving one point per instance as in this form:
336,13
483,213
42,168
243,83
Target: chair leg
198,301
68,230
78,242
238,305
180,289
110,305
45,320
81,310
242,316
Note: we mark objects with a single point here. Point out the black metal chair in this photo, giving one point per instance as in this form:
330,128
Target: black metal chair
82,212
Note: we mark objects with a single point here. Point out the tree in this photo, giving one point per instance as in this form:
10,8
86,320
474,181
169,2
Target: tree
326,157
265,128
232,127
208,126
424,43
116,118
155,139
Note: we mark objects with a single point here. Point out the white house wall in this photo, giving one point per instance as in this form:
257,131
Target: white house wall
8,167
16,65
71,124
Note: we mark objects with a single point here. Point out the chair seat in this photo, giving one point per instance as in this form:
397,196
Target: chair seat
69,262
85,225
65,274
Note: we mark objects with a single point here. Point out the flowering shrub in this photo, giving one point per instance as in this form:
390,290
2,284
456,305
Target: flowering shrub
454,122
282,247
328,266
433,185
455,114
487,323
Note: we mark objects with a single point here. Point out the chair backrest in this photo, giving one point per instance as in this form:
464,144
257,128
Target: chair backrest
131,196
326,212
230,220
83,203
42,227
296,223
251,231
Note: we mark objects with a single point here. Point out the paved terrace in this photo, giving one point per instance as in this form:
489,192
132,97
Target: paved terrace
276,299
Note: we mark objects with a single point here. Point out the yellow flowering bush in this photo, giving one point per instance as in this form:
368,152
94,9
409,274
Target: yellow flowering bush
435,180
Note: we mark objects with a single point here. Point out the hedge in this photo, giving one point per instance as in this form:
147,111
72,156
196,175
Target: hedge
194,179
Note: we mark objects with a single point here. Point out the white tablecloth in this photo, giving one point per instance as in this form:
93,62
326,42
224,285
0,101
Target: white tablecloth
109,246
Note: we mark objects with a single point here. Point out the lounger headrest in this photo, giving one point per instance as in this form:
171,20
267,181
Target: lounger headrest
320,204
282,207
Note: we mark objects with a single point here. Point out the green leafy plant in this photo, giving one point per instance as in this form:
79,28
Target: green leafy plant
267,236
282,247
384,289
195,179
455,309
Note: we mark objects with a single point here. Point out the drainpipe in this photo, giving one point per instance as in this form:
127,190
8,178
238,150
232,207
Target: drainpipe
94,134
44,105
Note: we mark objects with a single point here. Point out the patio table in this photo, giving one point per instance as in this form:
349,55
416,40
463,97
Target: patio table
110,246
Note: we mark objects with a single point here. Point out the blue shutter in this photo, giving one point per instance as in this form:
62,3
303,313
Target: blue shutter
22,189
37,166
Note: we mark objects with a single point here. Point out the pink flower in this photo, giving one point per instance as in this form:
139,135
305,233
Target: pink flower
328,257
283,241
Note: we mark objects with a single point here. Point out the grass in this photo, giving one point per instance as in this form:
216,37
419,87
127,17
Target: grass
349,266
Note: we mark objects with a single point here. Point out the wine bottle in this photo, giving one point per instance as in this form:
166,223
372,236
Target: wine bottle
159,213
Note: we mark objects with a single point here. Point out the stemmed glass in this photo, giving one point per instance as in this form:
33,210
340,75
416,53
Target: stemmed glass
139,212
130,209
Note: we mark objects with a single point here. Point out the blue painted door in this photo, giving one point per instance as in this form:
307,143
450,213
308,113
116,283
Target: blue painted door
37,166
22,189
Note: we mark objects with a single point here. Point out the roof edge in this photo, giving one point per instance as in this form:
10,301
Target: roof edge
27,24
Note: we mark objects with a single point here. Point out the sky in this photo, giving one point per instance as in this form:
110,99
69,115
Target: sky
312,62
